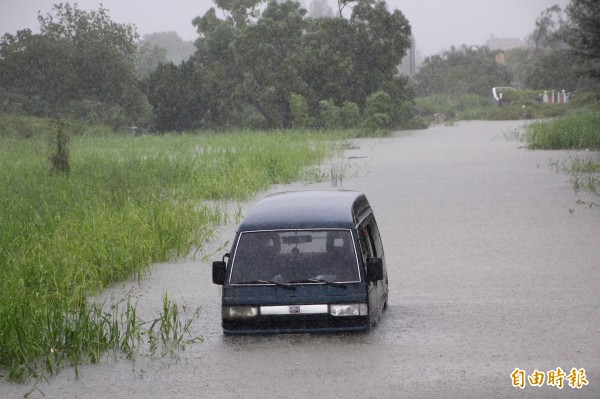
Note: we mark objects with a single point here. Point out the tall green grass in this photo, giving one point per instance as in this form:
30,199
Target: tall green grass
127,202
474,107
579,131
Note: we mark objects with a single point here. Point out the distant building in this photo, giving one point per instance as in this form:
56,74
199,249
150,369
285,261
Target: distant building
495,43
411,61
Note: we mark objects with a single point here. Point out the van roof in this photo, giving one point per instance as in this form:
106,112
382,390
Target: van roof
307,210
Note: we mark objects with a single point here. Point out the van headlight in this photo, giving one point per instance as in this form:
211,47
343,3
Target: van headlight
349,309
239,312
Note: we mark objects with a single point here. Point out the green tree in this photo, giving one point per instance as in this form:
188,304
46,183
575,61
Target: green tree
177,49
548,30
216,61
149,56
300,112
38,74
460,72
329,115
381,41
583,33
263,50
559,42
325,62
78,57
350,114
175,93
252,64
240,12
378,111
347,59
104,50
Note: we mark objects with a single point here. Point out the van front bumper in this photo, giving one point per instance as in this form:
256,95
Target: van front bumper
295,324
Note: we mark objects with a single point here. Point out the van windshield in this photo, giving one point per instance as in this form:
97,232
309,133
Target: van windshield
295,256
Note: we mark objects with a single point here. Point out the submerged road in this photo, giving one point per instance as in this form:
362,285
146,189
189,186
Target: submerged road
493,266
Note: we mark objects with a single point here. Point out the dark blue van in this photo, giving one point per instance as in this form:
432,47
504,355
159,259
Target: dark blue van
307,261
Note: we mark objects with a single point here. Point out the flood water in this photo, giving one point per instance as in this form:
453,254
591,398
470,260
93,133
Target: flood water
493,265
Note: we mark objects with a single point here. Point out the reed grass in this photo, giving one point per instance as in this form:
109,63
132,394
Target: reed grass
126,203
578,131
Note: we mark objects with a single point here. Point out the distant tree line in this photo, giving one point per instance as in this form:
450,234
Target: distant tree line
79,66
563,53
279,68
160,48
258,67
273,65
463,71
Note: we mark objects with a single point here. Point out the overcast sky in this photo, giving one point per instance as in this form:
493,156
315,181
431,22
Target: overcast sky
436,24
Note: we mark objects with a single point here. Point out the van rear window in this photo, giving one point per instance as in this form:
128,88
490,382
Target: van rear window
295,256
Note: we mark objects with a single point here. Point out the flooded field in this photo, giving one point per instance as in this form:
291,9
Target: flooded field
493,262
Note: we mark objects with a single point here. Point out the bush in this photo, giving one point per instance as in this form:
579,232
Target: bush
436,104
377,121
300,114
330,115
378,111
22,126
350,114
521,97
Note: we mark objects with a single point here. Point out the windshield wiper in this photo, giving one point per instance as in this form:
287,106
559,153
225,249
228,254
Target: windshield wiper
289,286
320,280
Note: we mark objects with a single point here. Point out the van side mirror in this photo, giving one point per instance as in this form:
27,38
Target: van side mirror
374,269
218,272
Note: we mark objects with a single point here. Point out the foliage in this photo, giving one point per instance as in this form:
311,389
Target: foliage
149,56
21,126
350,114
78,57
255,61
177,49
521,105
176,96
566,51
549,28
330,117
521,97
583,32
300,112
377,111
437,104
547,69
460,72
246,67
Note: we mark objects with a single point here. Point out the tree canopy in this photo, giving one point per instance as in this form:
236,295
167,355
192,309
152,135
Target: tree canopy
247,67
583,33
250,65
79,65
564,49
461,71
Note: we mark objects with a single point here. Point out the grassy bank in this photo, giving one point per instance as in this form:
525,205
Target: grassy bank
570,132
127,202
578,131
474,107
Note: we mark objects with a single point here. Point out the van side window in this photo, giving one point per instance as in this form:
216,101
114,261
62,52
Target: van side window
375,238
365,243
